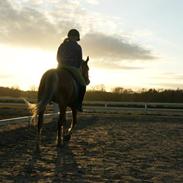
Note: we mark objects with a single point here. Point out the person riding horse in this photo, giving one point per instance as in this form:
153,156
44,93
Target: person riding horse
69,57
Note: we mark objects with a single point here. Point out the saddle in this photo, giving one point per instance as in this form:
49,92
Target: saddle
75,73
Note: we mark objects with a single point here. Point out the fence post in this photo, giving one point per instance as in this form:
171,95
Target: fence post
145,105
55,108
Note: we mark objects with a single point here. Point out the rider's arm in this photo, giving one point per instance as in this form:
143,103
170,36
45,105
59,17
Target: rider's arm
80,56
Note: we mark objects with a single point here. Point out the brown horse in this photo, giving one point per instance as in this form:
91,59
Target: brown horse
60,87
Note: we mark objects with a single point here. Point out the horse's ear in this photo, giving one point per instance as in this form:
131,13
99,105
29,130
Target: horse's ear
87,59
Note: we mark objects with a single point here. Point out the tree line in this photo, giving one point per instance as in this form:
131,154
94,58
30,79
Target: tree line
117,94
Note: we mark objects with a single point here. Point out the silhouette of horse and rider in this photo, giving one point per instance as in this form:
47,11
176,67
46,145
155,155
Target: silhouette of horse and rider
65,85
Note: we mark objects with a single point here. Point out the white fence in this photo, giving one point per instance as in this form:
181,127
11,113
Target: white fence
134,106
24,119
101,106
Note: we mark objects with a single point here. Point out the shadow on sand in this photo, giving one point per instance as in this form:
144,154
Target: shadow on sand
22,162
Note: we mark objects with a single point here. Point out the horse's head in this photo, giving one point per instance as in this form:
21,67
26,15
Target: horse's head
85,71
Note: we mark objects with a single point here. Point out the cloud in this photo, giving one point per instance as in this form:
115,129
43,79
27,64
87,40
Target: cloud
93,2
33,24
167,85
110,64
169,76
28,27
167,80
110,47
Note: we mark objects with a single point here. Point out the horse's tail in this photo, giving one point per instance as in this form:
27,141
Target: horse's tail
46,91
33,109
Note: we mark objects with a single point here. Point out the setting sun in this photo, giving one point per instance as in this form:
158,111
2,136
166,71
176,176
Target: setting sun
24,67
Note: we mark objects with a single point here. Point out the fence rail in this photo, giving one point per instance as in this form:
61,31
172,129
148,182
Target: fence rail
109,104
25,119
132,104
98,106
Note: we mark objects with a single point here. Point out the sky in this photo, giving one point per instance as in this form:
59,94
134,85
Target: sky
131,43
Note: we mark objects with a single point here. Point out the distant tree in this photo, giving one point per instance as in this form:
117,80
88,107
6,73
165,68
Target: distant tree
118,90
99,94
100,87
33,88
128,91
15,87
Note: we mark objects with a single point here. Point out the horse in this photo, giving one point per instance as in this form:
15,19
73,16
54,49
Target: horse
60,87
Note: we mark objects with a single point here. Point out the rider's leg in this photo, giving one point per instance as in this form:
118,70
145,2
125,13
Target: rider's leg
81,94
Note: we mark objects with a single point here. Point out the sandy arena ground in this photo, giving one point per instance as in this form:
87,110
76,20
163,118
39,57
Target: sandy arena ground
103,148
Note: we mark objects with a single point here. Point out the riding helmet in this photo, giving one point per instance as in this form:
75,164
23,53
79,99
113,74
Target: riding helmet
74,33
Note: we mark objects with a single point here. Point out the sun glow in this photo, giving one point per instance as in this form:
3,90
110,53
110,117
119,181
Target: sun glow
110,78
24,67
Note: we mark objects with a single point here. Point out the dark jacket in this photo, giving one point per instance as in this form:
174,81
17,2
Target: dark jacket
70,54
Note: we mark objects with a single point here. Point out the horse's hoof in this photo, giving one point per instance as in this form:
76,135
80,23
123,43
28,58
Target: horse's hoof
60,146
38,149
67,137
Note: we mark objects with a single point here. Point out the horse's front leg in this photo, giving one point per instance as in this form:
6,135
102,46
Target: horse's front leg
73,124
61,124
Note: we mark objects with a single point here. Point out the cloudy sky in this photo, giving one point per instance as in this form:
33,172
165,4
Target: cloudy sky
131,44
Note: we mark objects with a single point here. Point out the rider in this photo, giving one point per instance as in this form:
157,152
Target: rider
69,56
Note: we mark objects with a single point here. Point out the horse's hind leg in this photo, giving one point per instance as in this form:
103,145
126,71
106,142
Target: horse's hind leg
74,118
61,124
39,128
